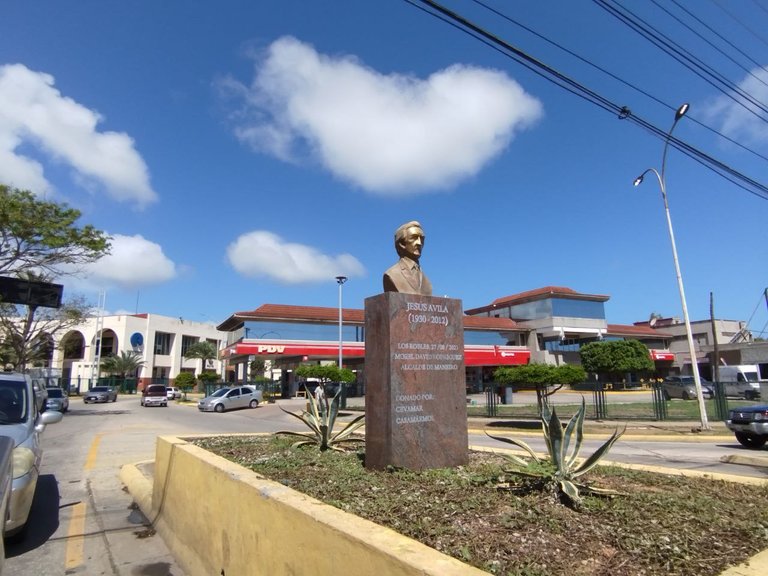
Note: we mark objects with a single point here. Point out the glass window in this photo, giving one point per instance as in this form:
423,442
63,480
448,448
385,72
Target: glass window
163,343
234,393
186,342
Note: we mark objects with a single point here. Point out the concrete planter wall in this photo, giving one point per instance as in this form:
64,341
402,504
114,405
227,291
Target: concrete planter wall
219,518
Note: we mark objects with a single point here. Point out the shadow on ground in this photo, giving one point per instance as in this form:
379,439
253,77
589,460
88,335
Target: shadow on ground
43,518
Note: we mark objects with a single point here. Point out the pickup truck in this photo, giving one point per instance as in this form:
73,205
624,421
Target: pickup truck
750,424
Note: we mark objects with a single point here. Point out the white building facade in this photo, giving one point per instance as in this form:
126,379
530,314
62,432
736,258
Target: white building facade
161,341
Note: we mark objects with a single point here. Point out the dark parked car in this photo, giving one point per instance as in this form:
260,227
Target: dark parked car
684,387
750,424
100,394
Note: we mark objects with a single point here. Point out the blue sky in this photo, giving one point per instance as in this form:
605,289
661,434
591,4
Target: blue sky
243,153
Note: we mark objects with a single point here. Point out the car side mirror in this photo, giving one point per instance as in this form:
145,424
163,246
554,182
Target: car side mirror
48,417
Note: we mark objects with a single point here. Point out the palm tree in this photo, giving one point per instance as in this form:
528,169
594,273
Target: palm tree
203,350
127,363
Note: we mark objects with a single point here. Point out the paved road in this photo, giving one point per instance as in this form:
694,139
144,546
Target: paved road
82,521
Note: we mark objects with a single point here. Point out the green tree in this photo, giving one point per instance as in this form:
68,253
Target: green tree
186,381
325,373
126,364
42,236
545,378
616,358
203,351
26,331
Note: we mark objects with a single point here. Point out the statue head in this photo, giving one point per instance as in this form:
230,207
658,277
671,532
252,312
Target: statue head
409,240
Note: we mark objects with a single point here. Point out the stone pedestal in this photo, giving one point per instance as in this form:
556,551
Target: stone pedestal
415,404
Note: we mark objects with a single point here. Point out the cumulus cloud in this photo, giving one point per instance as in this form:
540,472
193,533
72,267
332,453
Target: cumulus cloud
134,262
34,113
737,121
264,254
388,134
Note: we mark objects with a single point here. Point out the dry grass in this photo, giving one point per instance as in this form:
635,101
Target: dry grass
661,525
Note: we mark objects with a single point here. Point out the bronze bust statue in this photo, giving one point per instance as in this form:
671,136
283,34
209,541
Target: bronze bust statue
406,275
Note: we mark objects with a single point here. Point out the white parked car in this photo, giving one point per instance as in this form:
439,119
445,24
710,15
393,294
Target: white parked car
22,421
173,392
230,398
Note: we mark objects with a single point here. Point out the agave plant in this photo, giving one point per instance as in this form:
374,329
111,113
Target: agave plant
320,419
563,446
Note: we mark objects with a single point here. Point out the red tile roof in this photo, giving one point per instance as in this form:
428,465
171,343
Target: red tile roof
290,313
629,330
538,294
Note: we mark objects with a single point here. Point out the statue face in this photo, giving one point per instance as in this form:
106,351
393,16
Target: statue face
412,243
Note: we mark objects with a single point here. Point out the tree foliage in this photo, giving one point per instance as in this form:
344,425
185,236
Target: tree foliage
546,378
42,236
540,375
27,332
203,351
126,364
617,357
186,381
325,373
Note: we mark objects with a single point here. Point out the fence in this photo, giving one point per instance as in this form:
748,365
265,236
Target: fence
603,404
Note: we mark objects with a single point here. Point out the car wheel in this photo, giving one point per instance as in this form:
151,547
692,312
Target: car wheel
666,395
685,396
219,408
253,403
751,441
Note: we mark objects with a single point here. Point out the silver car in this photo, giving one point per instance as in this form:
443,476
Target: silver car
21,421
57,400
684,387
100,394
230,398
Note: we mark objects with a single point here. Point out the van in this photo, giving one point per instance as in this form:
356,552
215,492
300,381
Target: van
741,380
154,395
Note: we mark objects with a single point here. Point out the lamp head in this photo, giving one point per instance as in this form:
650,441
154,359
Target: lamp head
639,180
682,111
341,279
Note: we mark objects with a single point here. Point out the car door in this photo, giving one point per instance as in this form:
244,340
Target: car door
244,398
233,399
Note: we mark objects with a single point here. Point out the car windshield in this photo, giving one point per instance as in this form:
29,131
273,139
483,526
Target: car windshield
100,389
13,402
55,393
220,392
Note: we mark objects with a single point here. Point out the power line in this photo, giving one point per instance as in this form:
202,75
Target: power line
670,107
456,20
709,42
684,57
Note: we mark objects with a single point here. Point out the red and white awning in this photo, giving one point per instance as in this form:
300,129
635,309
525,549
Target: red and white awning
662,355
474,355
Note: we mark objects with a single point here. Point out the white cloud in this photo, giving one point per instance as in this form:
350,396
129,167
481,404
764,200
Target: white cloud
33,112
133,262
389,134
736,121
264,254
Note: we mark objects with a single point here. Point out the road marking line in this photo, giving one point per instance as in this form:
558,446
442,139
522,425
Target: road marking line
74,554
90,460
75,537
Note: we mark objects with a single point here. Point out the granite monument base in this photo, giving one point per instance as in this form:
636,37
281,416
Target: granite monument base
415,405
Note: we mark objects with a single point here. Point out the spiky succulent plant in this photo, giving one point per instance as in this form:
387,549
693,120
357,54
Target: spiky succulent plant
563,466
320,419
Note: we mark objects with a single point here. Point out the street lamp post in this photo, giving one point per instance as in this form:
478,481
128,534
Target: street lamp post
662,184
341,280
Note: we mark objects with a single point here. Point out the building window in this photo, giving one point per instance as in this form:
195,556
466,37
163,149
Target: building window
163,343
186,342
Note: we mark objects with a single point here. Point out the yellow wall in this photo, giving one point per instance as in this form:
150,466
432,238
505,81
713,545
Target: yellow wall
215,515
